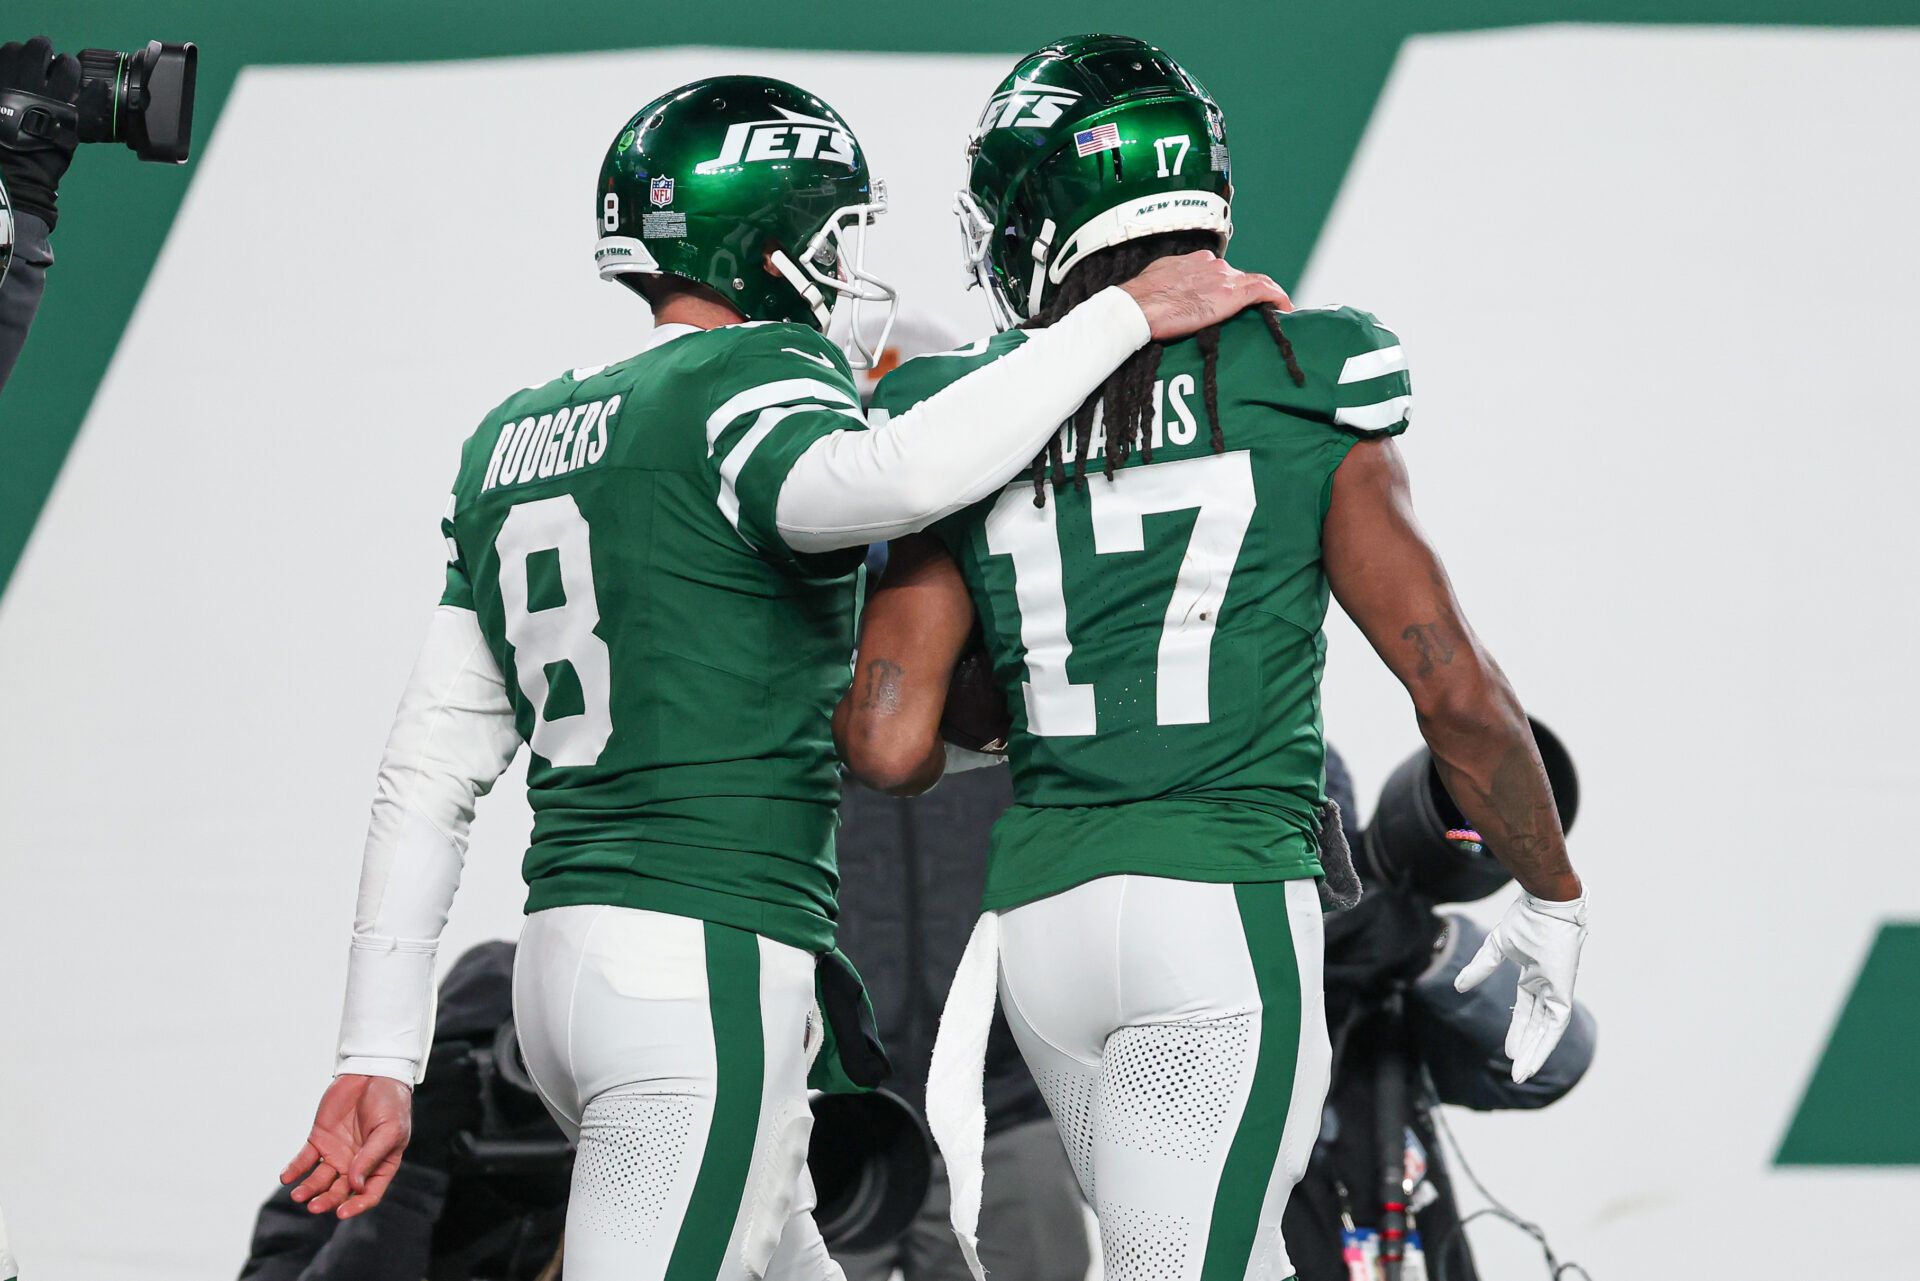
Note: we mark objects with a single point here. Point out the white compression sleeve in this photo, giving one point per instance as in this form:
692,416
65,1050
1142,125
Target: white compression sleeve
453,736
958,446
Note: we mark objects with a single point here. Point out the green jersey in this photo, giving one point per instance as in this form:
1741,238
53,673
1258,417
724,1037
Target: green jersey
1158,635
672,665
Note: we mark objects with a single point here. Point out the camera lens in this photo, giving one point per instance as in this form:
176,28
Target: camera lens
143,99
102,89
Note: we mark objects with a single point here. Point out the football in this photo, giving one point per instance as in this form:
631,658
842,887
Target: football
976,715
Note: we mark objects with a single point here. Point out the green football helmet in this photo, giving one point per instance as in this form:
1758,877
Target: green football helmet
754,188
1089,142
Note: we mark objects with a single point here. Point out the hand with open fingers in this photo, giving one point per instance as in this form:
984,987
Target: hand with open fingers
1543,938
1184,293
353,1152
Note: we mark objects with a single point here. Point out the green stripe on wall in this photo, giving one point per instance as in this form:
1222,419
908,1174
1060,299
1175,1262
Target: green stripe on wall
1256,1140
1299,80
1861,1107
739,1055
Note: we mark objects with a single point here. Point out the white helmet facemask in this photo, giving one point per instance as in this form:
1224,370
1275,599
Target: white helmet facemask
833,264
976,238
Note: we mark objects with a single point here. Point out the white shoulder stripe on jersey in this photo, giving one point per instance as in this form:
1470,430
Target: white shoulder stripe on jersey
778,393
453,548
736,461
1375,417
1372,364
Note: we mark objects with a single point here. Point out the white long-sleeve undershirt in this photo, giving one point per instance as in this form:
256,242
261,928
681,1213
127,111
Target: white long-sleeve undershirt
961,444
452,738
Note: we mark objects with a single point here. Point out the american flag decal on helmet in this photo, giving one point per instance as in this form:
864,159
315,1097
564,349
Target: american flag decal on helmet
1098,138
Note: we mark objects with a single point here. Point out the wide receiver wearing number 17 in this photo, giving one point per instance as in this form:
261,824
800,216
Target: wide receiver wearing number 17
1152,606
662,554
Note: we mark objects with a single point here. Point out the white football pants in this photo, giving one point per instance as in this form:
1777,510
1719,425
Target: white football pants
676,1052
1179,1034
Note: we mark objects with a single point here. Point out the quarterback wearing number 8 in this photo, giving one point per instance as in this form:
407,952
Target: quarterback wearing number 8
1151,601
651,575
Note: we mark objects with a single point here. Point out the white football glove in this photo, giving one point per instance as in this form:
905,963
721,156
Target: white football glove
1543,938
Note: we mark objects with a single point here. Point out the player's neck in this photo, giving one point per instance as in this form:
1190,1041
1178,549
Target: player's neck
691,309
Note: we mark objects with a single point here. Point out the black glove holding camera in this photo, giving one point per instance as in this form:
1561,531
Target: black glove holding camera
50,103
39,124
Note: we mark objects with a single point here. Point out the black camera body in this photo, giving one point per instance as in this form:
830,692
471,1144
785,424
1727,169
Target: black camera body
1418,852
142,99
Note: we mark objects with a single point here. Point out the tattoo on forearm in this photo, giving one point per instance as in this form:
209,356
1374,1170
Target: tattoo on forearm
880,692
1433,643
1514,811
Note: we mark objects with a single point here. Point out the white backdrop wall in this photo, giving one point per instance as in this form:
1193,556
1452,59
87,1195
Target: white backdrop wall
1653,282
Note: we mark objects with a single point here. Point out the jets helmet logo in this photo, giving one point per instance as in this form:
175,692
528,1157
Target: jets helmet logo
1026,107
793,137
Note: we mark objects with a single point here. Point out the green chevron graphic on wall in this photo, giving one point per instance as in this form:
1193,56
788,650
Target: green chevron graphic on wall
1860,1108
1314,71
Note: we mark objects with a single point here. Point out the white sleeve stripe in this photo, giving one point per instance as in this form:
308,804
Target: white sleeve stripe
1374,417
776,393
737,458
756,435
1372,364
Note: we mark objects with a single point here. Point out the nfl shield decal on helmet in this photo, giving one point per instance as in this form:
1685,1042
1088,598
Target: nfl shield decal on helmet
660,191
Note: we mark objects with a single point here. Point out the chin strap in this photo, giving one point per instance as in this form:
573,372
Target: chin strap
1042,247
808,291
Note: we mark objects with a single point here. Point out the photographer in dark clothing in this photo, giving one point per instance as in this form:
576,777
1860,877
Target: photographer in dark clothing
30,170
444,1216
911,875
1390,966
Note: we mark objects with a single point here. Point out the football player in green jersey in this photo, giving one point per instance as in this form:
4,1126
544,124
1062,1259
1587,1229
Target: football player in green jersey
651,575
1151,602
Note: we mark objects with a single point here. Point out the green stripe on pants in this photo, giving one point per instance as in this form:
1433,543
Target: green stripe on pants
733,1000
1256,1143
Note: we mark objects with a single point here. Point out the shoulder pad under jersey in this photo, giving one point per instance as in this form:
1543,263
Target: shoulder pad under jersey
1354,368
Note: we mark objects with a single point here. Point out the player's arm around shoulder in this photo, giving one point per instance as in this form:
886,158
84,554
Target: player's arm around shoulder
887,725
977,432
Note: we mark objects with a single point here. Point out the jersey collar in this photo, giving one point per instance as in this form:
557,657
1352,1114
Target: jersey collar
664,334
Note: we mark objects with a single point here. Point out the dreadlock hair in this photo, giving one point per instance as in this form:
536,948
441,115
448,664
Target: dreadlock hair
1124,403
